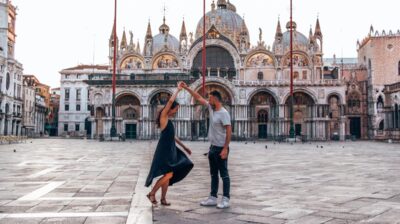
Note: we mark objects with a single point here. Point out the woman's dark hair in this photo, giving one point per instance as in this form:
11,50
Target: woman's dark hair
173,106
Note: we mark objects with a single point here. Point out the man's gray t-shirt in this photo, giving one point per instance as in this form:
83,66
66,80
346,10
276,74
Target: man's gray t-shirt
218,121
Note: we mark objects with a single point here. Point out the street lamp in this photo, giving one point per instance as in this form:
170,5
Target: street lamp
113,128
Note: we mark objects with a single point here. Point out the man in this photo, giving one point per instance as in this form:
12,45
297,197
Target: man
219,135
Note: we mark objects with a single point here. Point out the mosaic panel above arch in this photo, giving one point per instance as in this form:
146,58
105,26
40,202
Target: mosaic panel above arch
165,61
299,60
260,60
132,62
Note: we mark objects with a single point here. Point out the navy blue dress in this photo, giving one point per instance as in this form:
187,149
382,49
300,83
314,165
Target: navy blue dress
168,158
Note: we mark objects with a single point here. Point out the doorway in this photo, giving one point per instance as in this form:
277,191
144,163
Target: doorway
355,127
297,129
130,131
262,131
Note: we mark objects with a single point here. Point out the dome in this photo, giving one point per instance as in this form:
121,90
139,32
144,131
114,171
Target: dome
298,38
226,20
160,40
164,40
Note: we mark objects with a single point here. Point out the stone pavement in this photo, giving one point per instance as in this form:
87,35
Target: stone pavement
83,181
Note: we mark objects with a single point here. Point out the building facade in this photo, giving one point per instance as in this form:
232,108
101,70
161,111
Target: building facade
74,109
253,79
10,74
379,55
29,98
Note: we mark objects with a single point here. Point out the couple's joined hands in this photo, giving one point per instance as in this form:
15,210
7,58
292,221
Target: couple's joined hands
182,85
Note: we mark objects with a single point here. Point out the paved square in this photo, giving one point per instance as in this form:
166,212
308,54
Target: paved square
79,181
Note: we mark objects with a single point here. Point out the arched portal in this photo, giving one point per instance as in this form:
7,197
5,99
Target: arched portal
263,113
302,110
201,121
219,63
99,115
128,114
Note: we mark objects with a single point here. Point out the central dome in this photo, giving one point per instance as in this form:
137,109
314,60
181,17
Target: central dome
298,38
225,19
164,40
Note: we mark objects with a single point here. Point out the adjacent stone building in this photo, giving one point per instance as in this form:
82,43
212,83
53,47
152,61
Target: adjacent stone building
10,73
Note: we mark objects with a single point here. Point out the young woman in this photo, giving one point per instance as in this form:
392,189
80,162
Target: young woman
168,161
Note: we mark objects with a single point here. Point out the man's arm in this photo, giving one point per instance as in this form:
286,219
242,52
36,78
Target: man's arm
224,152
195,95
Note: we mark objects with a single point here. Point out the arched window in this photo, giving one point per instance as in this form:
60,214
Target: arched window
396,116
262,116
381,125
398,68
380,103
129,114
260,76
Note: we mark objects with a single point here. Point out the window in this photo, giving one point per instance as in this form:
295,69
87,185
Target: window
305,75
262,116
77,127
296,75
66,94
260,76
88,107
78,94
381,125
398,68
88,95
78,107
65,127
66,107
380,103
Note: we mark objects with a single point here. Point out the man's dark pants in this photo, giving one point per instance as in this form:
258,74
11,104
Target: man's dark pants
218,165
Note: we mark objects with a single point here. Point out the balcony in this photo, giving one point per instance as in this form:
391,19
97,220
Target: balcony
326,82
392,88
141,79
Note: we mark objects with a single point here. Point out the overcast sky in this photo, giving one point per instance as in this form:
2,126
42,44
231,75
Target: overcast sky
57,34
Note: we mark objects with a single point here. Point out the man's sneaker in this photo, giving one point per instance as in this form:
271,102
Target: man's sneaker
210,201
224,203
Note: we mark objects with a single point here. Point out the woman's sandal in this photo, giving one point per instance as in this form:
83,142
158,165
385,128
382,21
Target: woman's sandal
152,198
164,202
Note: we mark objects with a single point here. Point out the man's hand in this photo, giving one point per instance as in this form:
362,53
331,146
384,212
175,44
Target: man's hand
224,153
182,85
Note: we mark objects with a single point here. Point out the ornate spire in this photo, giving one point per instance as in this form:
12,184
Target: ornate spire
183,34
318,31
243,29
149,35
138,46
164,28
213,6
124,43
278,30
311,36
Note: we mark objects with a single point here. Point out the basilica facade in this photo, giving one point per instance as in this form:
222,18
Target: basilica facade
253,78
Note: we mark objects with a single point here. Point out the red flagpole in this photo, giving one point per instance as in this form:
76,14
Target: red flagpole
115,47
291,131
204,49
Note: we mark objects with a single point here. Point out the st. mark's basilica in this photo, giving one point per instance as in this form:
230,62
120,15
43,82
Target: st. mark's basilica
254,79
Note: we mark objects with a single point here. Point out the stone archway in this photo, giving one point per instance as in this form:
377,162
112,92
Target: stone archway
128,115
220,63
303,105
262,113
